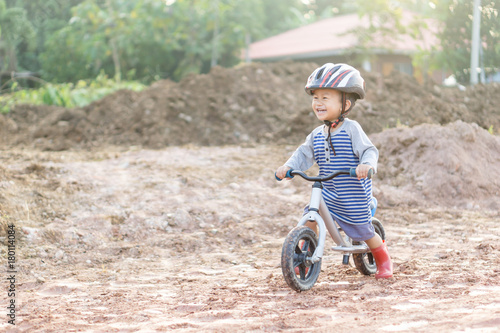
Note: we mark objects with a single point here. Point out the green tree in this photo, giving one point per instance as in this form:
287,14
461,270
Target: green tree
387,23
384,27
46,17
455,49
320,9
150,39
100,36
15,30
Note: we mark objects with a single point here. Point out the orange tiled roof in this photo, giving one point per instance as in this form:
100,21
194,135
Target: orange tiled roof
330,37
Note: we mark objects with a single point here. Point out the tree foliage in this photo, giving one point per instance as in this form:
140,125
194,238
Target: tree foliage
45,17
151,39
456,37
71,40
384,27
16,32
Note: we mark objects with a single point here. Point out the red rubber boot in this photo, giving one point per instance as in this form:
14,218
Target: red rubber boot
297,271
383,261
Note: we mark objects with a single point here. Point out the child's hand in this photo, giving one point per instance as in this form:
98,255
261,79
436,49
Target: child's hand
281,172
362,170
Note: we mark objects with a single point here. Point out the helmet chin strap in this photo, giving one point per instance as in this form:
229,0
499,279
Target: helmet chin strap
335,123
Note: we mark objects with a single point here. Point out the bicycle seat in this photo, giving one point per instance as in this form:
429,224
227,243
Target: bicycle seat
373,206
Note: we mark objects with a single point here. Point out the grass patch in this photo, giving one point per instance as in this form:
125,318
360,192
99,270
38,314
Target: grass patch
65,94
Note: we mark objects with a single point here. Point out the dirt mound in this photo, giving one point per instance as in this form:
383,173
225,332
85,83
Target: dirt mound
452,166
264,103
400,99
255,103
228,106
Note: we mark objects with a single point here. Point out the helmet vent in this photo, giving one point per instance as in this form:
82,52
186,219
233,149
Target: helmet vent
320,73
335,69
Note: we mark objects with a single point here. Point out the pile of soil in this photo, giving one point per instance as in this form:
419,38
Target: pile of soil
433,141
254,103
451,166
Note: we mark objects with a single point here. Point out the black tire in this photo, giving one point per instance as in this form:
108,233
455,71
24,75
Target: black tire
364,262
293,255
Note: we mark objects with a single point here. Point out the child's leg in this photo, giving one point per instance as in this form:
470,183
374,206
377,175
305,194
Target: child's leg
381,256
374,242
313,226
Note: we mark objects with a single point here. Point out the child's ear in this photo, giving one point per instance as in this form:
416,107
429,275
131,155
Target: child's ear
347,104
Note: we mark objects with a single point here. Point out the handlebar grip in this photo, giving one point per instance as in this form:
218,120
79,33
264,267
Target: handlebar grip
288,175
352,173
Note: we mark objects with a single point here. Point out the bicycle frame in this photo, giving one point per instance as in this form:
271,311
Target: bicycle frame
319,213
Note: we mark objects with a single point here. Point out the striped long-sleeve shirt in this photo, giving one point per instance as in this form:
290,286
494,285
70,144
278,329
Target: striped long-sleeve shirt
347,198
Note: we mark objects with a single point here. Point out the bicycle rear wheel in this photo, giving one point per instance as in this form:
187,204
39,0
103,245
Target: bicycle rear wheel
364,262
300,273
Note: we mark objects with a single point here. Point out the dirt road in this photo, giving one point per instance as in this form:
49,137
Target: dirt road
188,239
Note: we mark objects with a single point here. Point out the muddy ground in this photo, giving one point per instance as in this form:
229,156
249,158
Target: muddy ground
190,238
136,233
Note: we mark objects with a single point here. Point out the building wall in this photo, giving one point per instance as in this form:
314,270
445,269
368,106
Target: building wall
381,63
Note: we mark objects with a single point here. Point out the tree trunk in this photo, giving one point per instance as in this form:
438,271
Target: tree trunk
12,58
116,60
114,49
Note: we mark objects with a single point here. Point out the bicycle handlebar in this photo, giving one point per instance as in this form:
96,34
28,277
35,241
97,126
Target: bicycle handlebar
351,172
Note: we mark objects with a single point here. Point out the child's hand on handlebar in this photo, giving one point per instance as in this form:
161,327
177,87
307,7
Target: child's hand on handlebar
281,172
362,170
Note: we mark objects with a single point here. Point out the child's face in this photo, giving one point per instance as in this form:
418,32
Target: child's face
327,104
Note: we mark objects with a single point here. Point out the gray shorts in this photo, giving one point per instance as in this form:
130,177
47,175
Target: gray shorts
357,232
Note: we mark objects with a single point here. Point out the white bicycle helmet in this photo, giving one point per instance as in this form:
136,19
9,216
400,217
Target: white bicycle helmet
340,77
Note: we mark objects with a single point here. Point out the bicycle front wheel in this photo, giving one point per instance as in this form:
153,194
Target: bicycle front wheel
299,272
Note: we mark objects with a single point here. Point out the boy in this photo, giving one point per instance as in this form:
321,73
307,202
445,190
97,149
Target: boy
339,144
